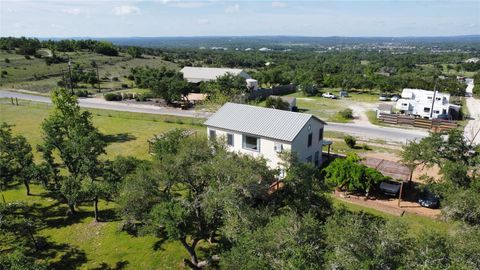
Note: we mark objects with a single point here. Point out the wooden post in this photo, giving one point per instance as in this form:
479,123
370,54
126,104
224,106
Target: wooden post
12,100
16,101
400,194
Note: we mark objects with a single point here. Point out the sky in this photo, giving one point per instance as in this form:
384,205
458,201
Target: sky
157,18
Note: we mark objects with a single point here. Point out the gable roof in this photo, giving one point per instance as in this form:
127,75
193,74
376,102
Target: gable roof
198,74
259,121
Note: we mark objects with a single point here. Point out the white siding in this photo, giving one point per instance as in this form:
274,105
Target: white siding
267,146
300,143
298,146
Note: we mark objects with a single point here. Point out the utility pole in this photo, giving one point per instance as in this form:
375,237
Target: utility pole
433,101
70,73
98,78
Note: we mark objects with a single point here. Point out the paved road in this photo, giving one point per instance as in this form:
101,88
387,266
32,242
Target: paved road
98,103
363,131
472,129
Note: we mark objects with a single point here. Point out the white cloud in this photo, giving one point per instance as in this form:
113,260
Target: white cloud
189,4
277,4
126,10
203,21
233,9
72,11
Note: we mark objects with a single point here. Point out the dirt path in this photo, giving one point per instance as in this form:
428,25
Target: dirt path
390,206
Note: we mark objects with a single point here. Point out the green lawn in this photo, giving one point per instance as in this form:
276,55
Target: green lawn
327,109
129,131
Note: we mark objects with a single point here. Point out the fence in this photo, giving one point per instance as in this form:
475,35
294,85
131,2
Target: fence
436,125
276,91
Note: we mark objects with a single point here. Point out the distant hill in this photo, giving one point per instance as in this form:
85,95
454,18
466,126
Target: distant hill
275,41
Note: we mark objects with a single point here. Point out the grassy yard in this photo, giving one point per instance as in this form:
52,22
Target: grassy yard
328,109
128,132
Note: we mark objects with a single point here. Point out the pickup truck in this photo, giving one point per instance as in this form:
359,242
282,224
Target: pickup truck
329,95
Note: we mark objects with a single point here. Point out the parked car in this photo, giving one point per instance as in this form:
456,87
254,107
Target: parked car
383,98
395,98
428,199
390,188
329,95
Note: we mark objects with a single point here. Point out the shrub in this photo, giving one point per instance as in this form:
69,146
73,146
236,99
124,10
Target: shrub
350,141
4,72
28,57
277,103
124,85
7,60
82,93
112,97
347,114
115,79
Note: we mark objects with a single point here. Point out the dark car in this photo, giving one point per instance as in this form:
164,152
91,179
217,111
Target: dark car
390,188
429,200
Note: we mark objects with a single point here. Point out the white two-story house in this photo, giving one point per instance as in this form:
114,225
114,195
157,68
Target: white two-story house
266,132
426,104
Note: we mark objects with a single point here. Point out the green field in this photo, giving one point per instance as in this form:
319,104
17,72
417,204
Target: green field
34,74
327,109
82,243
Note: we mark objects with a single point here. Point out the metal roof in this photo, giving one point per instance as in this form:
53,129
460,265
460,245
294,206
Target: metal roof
198,74
259,121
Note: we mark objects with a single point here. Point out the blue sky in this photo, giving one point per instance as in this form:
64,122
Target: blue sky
90,18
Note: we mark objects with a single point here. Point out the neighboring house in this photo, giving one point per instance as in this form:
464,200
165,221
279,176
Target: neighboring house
203,74
292,101
266,132
384,108
426,104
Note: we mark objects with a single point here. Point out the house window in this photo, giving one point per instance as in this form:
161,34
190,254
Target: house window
404,104
213,134
436,112
426,109
251,143
320,134
317,158
438,98
229,139
309,159
429,97
278,147
310,136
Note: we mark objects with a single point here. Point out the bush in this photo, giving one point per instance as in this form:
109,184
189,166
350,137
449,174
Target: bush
347,114
82,93
4,72
127,96
277,103
112,97
350,141
28,57
115,79
7,60
124,85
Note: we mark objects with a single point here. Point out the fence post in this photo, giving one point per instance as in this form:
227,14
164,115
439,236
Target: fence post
16,100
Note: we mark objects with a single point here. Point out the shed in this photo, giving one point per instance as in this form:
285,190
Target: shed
384,108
